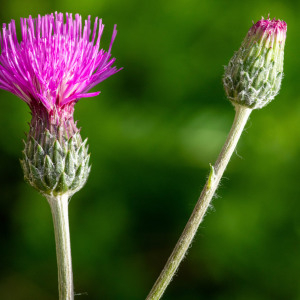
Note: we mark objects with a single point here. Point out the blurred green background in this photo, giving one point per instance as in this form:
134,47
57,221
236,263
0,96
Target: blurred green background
153,131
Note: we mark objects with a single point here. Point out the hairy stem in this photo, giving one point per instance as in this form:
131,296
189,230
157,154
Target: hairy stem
59,209
241,117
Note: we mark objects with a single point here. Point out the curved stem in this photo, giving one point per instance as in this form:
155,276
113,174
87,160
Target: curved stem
241,117
59,209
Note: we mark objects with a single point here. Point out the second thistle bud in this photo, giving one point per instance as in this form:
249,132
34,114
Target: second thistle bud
253,75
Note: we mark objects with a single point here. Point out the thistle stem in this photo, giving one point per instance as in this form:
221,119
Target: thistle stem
241,117
59,209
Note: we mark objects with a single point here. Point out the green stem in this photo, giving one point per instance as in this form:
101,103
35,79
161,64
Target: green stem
59,209
241,117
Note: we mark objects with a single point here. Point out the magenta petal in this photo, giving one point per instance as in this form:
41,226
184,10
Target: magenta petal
78,96
56,62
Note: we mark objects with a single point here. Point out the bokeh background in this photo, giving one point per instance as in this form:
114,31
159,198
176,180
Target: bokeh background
153,131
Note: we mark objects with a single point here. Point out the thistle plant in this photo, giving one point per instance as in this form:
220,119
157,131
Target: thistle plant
56,63
252,79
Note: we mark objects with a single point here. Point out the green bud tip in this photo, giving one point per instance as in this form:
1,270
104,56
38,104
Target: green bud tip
253,75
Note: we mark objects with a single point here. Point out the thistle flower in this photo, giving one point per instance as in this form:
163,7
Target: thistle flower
54,65
253,75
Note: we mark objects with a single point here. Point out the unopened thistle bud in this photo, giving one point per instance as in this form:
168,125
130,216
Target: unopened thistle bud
54,65
253,75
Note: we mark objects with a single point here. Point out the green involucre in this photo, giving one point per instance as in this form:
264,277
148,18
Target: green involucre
254,74
56,166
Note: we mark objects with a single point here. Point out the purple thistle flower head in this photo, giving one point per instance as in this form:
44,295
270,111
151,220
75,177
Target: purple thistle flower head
56,63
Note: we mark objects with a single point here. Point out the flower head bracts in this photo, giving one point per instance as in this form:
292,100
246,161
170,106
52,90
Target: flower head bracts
253,75
56,63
